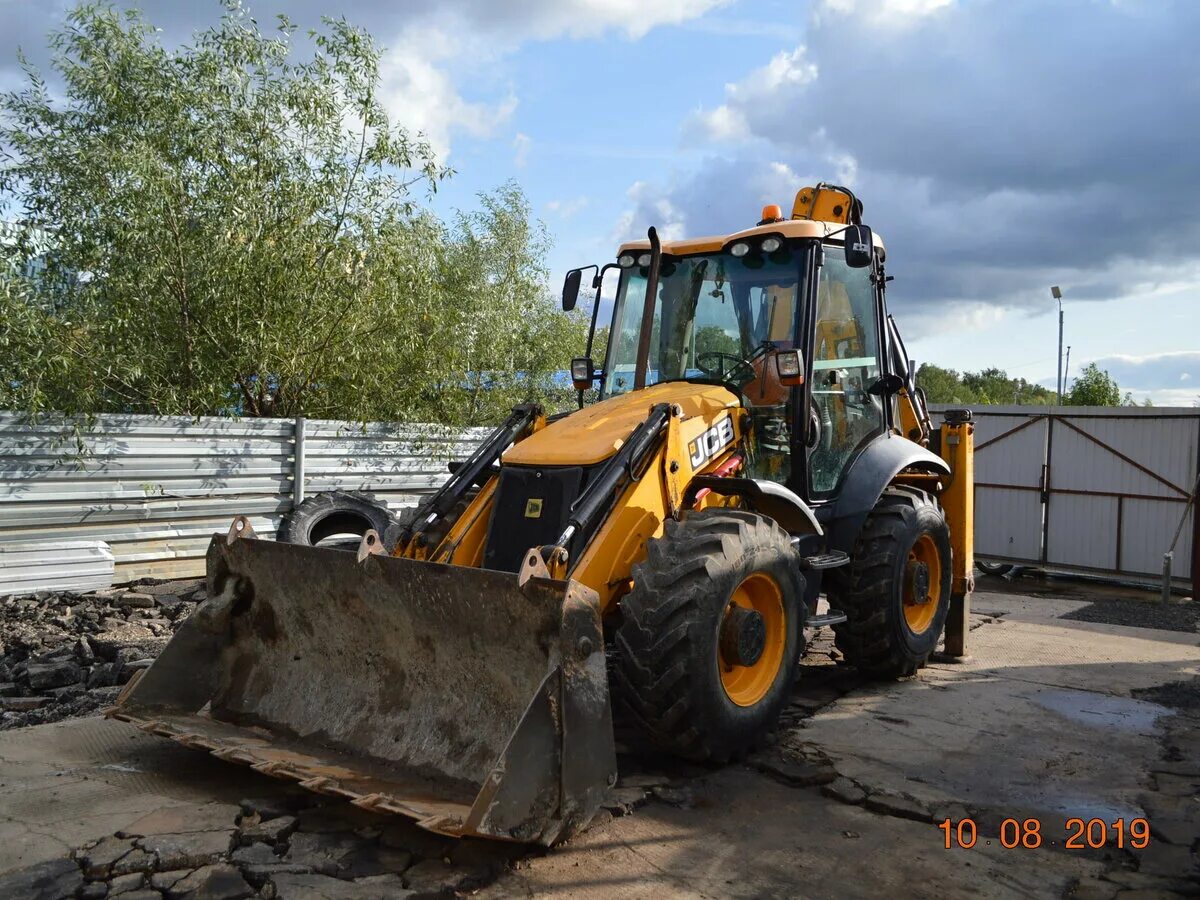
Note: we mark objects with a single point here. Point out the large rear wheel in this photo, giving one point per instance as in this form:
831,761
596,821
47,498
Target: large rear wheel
896,589
711,634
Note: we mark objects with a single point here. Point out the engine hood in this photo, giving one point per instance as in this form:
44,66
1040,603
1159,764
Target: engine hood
596,432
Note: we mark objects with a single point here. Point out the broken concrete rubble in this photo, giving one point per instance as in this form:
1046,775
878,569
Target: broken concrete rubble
64,654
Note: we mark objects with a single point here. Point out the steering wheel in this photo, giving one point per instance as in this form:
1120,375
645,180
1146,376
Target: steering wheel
720,372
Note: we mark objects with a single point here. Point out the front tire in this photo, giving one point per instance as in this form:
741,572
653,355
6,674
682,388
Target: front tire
711,634
896,588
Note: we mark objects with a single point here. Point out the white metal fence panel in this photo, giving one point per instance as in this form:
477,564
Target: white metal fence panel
1091,488
29,566
155,488
1009,453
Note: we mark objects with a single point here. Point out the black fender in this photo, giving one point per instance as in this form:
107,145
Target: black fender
865,481
771,499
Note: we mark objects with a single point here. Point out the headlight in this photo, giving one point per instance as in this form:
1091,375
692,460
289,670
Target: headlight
581,372
790,366
625,260
740,249
644,260
771,243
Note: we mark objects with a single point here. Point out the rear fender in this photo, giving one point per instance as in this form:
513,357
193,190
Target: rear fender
865,481
771,499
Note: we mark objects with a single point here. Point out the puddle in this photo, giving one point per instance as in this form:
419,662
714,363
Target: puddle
118,767
1102,710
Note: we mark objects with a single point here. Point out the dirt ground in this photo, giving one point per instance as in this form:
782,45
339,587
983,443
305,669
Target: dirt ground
1050,719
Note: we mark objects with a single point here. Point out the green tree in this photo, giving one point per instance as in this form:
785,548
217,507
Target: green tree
1093,387
986,387
943,385
714,339
247,235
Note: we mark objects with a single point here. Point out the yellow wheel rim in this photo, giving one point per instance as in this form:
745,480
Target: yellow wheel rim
746,685
922,584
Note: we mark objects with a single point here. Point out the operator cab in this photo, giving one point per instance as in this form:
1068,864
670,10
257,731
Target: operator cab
739,310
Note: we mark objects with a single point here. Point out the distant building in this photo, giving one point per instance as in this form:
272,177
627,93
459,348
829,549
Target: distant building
32,263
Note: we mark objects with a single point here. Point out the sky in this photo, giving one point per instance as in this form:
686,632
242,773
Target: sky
999,146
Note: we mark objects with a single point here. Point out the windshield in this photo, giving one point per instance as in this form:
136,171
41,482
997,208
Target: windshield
713,314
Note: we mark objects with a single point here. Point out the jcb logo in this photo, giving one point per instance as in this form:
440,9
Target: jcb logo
710,443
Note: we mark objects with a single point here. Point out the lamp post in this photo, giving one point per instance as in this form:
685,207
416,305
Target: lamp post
1056,293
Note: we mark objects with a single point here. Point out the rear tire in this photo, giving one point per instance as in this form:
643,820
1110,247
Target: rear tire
335,519
889,632
672,676
993,568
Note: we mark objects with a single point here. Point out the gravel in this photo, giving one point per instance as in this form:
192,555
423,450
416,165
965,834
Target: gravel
1181,695
1183,617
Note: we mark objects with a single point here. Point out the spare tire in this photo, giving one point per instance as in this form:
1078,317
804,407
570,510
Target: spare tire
336,519
993,568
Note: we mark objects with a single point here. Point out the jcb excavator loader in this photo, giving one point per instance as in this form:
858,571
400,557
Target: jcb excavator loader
758,441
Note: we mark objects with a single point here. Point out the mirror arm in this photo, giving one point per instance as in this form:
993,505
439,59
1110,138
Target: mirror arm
597,284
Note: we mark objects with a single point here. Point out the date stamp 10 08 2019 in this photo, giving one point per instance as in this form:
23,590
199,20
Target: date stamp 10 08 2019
1030,834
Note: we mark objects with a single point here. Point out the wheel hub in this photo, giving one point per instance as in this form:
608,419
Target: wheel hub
743,636
917,575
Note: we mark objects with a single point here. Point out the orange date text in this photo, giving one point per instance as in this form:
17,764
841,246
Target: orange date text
1030,834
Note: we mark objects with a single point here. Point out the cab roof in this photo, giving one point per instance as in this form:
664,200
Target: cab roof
790,228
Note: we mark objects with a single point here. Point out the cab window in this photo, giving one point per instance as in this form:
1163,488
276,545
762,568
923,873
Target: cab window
845,363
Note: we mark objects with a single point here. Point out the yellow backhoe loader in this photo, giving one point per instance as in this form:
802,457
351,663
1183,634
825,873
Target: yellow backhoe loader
758,443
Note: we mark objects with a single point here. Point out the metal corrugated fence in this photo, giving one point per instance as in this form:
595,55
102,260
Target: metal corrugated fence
155,488
1095,489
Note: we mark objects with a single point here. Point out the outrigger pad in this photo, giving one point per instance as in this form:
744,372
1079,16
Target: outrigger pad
445,693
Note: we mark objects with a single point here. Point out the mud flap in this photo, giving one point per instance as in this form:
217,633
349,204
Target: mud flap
448,694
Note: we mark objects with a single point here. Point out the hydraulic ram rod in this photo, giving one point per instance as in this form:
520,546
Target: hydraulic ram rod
456,486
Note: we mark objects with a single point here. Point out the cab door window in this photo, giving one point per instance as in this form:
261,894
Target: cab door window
845,363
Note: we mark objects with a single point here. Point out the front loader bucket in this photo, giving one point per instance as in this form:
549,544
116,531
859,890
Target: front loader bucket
447,694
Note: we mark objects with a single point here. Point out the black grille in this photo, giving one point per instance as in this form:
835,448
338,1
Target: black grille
531,509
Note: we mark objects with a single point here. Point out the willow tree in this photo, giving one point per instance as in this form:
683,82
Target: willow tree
236,226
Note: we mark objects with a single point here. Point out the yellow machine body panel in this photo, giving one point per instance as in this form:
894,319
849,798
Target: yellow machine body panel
594,433
823,202
793,228
706,431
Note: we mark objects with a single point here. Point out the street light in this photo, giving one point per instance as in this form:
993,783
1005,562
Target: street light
1056,293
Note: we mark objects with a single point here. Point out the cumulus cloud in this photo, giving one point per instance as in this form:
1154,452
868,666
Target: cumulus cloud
439,70
566,209
445,49
521,144
883,12
1144,373
784,75
1000,146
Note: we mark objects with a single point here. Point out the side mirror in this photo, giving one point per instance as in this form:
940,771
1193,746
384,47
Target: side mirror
860,246
582,372
570,295
571,285
886,385
789,364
